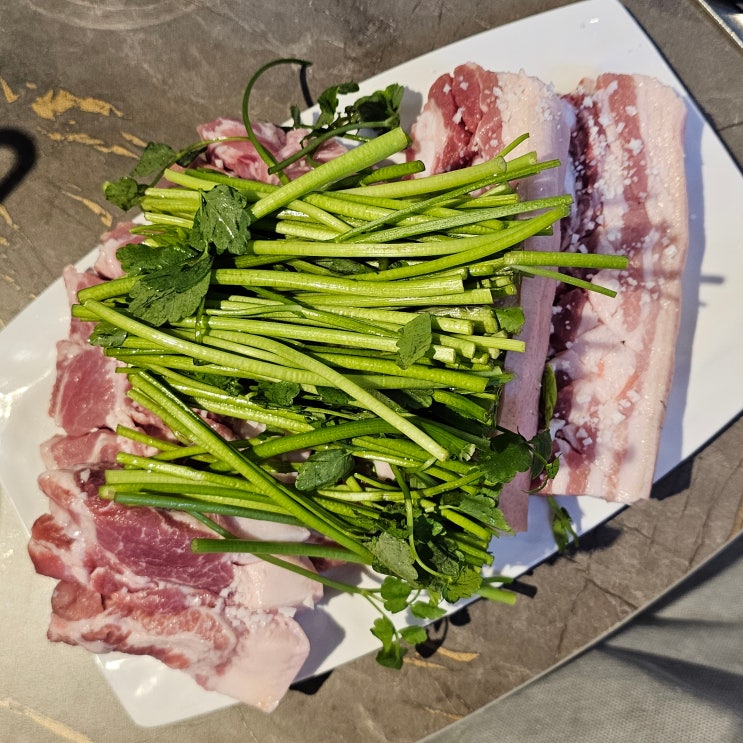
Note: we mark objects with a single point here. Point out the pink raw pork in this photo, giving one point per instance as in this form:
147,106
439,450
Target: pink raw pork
614,358
128,581
468,118
239,156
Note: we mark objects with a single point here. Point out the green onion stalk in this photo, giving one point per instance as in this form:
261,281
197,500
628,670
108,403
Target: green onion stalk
358,317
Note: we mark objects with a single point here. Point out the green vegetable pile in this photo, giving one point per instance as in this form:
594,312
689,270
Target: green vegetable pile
362,318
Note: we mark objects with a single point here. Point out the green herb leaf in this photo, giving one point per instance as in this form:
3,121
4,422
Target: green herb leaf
394,554
382,105
391,653
548,394
155,157
468,582
414,635
542,447
107,335
333,396
281,394
124,193
427,610
509,454
138,258
222,223
562,525
324,467
230,385
510,319
384,631
395,593
127,192
172,293
551,468
328,102
414,340
391,657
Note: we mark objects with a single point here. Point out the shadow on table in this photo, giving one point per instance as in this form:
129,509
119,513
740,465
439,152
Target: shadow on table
679,478
24,150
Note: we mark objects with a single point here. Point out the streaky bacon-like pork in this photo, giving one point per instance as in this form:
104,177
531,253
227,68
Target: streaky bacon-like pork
469,117
614,357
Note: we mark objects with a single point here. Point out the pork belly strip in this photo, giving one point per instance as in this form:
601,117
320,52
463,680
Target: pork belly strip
469,116
128,581
614,358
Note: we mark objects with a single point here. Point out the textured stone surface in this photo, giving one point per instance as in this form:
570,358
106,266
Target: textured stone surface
89,82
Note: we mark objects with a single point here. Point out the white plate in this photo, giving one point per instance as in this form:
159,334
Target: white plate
594,36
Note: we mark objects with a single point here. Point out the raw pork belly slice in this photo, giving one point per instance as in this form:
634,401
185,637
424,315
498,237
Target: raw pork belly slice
614,358
88,394
128,581
468,118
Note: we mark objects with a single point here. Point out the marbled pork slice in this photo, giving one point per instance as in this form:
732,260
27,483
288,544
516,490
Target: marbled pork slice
101,445
128,581
614,357
250,656
469,116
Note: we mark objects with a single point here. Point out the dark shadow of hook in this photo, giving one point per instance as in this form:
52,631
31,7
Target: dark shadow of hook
24,149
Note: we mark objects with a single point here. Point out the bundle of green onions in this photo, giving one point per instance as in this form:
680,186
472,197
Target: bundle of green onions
362,318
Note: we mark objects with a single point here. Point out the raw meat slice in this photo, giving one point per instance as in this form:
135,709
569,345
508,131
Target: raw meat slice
122,548
128,581
250,656
88,393
468,118
614,358
439,136
74,281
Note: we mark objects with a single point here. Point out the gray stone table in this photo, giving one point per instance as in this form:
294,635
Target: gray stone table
88,82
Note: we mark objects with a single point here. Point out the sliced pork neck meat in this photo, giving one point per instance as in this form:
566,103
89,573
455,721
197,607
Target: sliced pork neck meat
249,656
88,393
614,358
128,581
471,115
